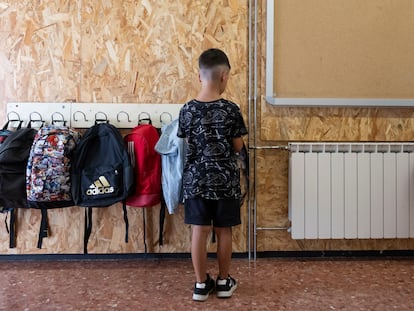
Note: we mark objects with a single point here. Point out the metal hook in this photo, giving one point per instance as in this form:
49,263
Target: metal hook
61,120
168,114
29,125
124,112
35,112
101,120
144,119
78,111
19,125
18,116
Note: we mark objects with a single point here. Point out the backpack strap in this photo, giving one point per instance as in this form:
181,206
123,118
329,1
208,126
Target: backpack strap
12,233
10,229
243,157
19,125
6,224
125,219
88,228
143,120
5,127
163,208
44,228
144,230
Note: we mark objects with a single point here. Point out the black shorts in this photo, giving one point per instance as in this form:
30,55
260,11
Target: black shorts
220,213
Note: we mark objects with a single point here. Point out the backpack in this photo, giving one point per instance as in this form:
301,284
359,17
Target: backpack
5,132
243,164
146,163
14,153
101,172
48,171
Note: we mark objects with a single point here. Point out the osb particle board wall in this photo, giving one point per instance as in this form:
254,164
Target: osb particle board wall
121,52
146,52
280,125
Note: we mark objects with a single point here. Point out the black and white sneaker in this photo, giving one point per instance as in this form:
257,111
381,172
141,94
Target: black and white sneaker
225,287
203,290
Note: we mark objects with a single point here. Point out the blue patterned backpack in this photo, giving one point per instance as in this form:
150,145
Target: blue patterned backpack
48,174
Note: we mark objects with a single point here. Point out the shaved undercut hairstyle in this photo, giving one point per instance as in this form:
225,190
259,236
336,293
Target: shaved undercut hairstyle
212,62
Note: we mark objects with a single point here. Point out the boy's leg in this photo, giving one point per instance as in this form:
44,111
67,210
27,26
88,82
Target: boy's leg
226,216
224,250
199,251
198,215
225,284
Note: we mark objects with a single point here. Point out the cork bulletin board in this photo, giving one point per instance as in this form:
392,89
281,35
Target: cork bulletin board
340,52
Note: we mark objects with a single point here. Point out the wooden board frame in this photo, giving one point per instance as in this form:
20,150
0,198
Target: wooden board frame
273,99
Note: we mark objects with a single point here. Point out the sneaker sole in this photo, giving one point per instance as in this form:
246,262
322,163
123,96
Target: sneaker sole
197,297
227,294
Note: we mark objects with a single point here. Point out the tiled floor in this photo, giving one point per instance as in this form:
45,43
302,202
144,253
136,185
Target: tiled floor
267,284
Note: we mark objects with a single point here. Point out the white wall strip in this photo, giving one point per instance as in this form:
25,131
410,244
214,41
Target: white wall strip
83,115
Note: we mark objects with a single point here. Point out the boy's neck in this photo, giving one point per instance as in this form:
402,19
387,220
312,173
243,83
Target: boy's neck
208,93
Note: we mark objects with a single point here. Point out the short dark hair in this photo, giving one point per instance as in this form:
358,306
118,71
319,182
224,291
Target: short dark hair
211,58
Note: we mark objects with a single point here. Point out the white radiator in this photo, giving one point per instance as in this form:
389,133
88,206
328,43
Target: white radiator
351,190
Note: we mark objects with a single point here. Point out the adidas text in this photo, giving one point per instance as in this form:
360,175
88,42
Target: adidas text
100,190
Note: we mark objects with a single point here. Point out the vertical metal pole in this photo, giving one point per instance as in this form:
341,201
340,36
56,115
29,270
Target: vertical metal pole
249,207
255,128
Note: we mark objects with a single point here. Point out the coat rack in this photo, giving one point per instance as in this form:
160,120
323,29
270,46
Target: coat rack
83,115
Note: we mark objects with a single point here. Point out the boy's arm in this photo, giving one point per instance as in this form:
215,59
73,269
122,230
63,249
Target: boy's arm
237,143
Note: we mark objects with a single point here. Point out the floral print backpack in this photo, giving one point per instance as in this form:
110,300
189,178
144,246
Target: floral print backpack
48,172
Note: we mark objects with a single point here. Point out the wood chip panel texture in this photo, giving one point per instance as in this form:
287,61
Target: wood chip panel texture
120,52
145,51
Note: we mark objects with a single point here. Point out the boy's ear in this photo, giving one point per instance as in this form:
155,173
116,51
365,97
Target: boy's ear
224,75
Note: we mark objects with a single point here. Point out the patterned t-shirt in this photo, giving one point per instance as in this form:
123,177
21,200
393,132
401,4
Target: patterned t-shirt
210,169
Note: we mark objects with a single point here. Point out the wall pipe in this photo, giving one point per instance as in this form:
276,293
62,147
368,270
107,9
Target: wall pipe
249,208
272,228
272,147
255,128
252,115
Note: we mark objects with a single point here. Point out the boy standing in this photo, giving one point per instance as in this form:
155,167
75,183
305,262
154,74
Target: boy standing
213,128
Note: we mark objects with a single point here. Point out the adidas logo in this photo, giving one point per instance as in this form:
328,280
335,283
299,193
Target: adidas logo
100,186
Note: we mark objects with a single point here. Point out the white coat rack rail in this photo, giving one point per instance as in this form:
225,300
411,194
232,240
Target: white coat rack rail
84,115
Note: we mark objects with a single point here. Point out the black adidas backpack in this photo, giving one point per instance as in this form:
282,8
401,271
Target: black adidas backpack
102,174
14,153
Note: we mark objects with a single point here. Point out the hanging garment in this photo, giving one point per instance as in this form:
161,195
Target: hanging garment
172,151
